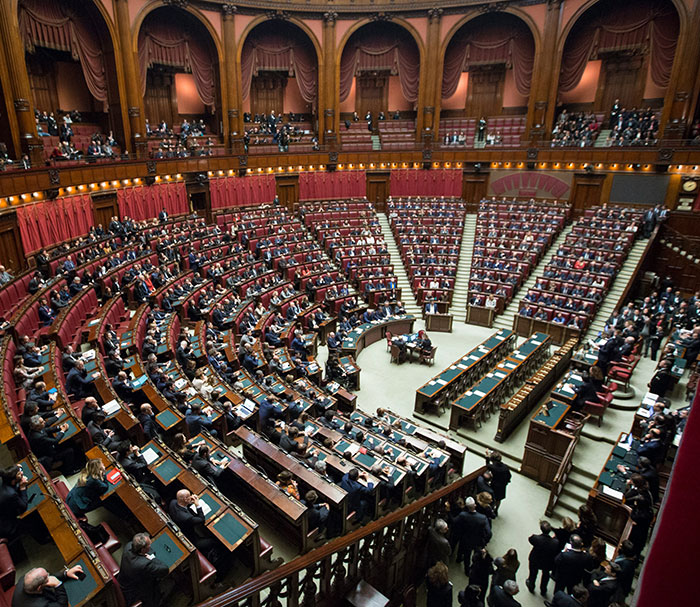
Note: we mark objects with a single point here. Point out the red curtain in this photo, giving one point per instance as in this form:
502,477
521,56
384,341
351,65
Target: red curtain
49,25
324,186
145,202
378,48
170,44
488,40
229,192
270,51
47,223
677,529
642,26
419,182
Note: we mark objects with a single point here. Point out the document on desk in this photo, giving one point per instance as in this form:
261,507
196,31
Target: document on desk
150,455
576,377
519,356
479,393
442,382
111,407
203,505
612,492
461,366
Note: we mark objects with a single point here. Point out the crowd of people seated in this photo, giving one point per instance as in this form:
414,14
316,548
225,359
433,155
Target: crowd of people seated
428,233
575,129
510,239
632,127
575,281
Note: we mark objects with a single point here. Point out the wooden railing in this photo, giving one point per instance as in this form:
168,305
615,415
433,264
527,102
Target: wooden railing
567,463
676,239
387,553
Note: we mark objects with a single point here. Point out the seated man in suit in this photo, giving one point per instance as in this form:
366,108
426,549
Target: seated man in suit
147,419
37,588
203,463
197,421
431,307
79,383
13,500
46,445
318,513
103,436
142,576
360,496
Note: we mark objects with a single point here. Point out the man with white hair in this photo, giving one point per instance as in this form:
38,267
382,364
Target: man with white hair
438,548
38,588
502,596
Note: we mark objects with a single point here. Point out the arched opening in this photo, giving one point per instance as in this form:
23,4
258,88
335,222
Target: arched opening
488,67
72,69
280,53
379,72
619,53
180,77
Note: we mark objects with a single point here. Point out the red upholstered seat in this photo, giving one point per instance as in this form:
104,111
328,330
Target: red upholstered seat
7,567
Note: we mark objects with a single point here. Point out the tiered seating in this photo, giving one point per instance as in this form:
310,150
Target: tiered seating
358,138
511,238
397,134
575,281
451,127
505,130
83,133
350,232
428,233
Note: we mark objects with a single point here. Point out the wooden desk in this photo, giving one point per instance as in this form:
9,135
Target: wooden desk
441,323
368,333
552,429
352,371
480,315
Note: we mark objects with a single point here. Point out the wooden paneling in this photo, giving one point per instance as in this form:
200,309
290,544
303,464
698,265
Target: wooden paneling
287,189
622,77
11,254
267,93
378,189
160,99
586,191
485,90
372,94
104,207
474,187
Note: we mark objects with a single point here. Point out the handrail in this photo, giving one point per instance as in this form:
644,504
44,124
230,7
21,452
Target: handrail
640,263
561,476
293,567
691,246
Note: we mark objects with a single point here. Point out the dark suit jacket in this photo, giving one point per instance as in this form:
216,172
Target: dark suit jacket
544,549
13,502
563,599
49,597
186,519
44,443
500,598
438,548
570,566
206,468
139,577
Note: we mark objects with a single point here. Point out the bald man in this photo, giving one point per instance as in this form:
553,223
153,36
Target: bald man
186,512
38,588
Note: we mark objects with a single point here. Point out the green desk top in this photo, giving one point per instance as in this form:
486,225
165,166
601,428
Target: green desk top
229,527
365,459
472,397
351,338
151,448
566,393
407,427
212,503
166,549
341,446
79,590
551,418
28,472
167,418
72,430
35,495
168,469
532,344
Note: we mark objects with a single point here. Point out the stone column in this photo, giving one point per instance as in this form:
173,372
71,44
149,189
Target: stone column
18,85
232,71
132,77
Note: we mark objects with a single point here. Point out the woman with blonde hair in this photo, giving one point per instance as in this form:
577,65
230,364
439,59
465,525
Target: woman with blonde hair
484,501
85,495
564,532
439,586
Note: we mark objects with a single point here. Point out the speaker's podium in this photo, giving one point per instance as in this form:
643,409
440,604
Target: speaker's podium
365,595
438,322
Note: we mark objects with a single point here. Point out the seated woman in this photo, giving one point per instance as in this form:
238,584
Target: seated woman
288,484
588,390
91,485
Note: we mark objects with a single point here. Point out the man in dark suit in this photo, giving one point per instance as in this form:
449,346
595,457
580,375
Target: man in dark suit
438,548
203,463
471,530
68,359
13,500
187,513
46,445
545,548
578,598
79,383
662,381
500,477
37,588
603,586
142,576
627,563
103,436
147,419
502,596
570,566
359,496
318,513
46,314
